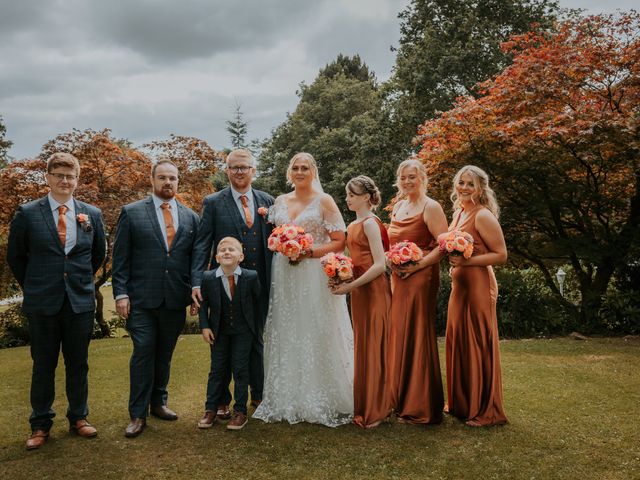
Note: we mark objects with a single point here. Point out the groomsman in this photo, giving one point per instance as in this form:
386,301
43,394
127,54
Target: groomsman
55,246
238,211
152,288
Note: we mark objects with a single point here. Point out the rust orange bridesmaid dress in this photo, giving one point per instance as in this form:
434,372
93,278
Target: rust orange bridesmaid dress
370,305
474,384
416,384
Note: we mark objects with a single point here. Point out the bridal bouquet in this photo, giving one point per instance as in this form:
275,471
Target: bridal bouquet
404,252
338,267
291,241
456,242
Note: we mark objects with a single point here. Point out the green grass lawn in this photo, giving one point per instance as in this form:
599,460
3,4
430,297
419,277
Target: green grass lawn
572,406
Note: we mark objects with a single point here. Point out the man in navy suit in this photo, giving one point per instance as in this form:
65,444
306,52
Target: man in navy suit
56,244
152,286
238,211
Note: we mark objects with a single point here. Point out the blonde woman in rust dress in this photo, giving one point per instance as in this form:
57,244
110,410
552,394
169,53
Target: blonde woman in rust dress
370,303
416,385
474,385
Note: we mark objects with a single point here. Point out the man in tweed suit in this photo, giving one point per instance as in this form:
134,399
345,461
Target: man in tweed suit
55,246
238,211
152,287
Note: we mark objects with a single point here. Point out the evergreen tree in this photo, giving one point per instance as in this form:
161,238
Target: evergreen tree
238,128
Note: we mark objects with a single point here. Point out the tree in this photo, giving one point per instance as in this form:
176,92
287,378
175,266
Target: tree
238,128
446,48
558,132
338,121
5,145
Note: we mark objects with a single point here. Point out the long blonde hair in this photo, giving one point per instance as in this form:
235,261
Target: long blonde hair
484,194
422,173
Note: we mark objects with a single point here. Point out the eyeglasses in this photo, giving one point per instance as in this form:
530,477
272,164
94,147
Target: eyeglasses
61,176
239,169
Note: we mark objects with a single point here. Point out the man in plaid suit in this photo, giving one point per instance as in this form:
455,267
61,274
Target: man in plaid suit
152,286
55,246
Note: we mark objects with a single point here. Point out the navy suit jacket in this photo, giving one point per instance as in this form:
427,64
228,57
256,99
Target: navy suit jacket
43,270
221,218
248,288
143,269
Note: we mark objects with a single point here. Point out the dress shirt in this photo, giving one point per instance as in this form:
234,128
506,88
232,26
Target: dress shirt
72,227
249,195
157,202
225,281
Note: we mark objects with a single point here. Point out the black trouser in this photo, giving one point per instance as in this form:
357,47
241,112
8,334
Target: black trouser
154,333
72,331
229,353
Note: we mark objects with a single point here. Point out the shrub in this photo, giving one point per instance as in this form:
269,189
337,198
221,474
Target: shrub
14,327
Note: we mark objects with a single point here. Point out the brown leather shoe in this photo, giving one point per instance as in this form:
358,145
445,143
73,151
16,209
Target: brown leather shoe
83,428
135,428
238,421
207,420
37,439
223,412
163,412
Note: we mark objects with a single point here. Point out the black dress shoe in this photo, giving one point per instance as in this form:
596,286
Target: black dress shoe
135,428
163,412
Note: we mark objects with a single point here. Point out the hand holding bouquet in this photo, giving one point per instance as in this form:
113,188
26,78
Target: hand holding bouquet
338,267
456,242
404,253
291,241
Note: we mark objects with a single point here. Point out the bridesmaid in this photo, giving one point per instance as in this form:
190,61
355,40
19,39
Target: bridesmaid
416,384
370,303
474,385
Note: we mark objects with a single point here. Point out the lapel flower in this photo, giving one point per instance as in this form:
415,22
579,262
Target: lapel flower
83,220
264,213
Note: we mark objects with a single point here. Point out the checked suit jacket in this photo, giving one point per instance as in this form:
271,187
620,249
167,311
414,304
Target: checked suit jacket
221,218
143,269
41,267
248,288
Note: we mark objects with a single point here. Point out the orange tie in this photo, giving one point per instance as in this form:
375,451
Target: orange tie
247,212
62,224
168,222
232,285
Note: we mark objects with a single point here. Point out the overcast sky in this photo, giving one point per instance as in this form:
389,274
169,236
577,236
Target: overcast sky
149,68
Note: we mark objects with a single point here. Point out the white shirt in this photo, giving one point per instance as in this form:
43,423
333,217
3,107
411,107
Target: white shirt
249,195
157,202
225,281
72,232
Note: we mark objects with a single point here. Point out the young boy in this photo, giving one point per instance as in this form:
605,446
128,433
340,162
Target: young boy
230,298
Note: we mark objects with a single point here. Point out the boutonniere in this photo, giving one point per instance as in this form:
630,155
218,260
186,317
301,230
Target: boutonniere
83,220
264,212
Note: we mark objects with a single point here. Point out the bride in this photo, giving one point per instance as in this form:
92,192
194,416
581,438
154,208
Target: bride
308,353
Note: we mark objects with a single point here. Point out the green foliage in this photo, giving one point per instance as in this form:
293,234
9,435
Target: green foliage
338,121
14,327
449,46
238,128
526,306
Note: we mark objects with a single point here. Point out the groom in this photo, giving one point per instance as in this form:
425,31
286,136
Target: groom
237,211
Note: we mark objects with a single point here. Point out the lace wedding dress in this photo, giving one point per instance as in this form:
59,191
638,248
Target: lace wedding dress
308,353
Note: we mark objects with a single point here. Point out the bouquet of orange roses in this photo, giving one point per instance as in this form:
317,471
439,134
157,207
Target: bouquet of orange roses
338,267
291,241
404,252
456,242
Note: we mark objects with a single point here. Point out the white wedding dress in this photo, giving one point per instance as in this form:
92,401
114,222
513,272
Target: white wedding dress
308,353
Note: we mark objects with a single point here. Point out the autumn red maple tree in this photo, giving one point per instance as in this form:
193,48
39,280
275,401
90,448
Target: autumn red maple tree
558,132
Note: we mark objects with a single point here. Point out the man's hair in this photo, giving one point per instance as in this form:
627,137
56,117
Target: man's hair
232,240
162,161
243,153
61,159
